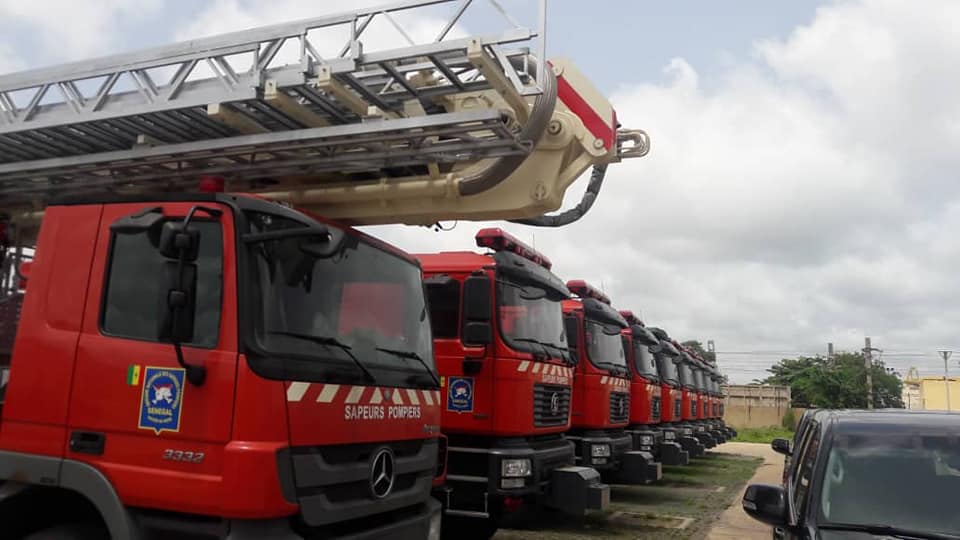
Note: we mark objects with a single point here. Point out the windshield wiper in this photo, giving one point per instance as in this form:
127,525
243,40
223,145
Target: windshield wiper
535,342
414,356
330,341
888,530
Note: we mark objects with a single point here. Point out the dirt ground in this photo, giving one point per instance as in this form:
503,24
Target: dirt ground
699,501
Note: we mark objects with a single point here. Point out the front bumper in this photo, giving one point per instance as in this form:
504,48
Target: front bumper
625,465
423,522
668,450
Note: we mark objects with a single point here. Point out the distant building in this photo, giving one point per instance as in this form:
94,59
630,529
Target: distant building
930,393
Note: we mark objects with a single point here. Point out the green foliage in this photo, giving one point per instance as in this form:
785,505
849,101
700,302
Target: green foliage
762,435
789,420
698,347
837,383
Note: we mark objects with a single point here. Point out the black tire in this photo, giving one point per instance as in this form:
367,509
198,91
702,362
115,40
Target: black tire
464,528
70,531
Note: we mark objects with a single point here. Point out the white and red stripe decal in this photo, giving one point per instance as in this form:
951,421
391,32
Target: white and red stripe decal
615,382
544,369
298,391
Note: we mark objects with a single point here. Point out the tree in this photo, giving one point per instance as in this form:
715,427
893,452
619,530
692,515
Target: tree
698,348
837,383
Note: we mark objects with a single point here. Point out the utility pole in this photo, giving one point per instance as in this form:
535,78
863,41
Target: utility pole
868,361
946,377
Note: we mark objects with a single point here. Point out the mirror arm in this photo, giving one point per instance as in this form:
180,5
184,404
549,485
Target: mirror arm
196,375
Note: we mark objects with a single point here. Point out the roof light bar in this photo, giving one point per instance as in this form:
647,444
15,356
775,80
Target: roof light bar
583,289
500,240
631,318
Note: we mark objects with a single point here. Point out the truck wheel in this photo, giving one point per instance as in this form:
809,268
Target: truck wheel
71,531
461,528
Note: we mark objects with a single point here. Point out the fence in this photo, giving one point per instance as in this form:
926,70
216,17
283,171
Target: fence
755,405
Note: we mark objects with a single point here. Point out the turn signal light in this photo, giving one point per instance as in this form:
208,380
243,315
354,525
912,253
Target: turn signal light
500,240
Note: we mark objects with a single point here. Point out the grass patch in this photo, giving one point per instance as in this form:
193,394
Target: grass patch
762,435
685,492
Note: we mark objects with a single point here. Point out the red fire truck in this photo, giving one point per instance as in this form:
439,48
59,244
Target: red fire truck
690,398
645,399
668,359
701,377
601,393
507,384
217,365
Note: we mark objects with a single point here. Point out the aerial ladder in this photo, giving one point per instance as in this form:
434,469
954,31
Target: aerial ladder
313,113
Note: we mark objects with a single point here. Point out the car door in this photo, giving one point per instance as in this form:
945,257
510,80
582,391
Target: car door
801,479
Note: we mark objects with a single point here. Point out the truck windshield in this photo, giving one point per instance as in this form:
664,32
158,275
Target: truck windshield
666,368
903,477
342,308
604,346
698,380
531,319
643,359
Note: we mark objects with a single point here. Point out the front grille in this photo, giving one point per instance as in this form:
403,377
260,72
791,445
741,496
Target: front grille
693,408
676,409
655,408
619,407
333,482
551,405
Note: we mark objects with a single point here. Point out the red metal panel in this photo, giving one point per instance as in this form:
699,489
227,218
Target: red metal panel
41,373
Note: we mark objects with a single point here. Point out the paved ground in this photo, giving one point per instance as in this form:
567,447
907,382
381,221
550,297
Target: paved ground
733,523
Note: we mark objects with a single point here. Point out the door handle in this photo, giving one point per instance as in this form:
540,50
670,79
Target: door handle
88,442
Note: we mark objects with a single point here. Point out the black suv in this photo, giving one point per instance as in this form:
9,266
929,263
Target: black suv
867,474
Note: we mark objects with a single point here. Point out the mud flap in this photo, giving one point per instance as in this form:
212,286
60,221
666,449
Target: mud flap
637,467
672,454
574,490
692,446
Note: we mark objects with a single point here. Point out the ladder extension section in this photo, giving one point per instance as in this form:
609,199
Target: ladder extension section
345,114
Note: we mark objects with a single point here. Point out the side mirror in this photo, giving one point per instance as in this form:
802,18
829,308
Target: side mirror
477,311
477,333
178,241
178,302
476,299
766,503
781,446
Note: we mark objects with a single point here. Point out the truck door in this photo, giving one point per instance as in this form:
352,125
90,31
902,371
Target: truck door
133,413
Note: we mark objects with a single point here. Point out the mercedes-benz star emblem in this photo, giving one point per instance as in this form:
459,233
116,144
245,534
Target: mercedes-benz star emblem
555,404
381,473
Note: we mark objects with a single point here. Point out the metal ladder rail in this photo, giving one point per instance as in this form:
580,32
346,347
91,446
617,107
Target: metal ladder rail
111,119
467,136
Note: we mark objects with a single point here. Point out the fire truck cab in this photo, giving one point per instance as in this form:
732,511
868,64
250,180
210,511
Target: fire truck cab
646,403
701,376
601,394
668,360
178,354
508,377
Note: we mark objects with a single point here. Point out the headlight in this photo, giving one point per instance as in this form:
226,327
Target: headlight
646,440
599,450
669,435
686,431
434,533
699,429
515,468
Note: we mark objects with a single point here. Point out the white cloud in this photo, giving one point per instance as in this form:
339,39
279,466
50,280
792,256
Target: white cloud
67,29
806,195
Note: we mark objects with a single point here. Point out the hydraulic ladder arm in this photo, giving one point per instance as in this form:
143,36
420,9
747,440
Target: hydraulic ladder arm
470,128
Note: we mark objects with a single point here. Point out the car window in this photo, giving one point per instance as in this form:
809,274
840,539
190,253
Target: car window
803,469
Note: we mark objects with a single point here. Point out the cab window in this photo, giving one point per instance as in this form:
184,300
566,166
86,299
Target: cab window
132,297
443,296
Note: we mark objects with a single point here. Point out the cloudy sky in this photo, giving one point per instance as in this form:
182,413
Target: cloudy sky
801,188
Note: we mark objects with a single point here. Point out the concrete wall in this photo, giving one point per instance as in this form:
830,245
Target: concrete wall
755,405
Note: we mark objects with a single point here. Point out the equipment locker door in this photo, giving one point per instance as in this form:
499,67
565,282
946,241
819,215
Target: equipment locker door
133,413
